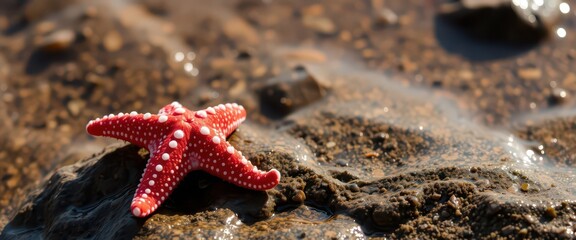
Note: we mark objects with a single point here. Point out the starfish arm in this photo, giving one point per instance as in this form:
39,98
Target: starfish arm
163,172
139,129
225,117
227,163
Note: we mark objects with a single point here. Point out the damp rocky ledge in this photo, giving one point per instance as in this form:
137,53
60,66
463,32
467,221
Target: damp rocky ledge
357,162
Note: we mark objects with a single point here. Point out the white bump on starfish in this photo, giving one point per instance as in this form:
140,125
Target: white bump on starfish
147,116
110,115
204,130
211,110
120,114
147,190
179,134
133,113
230,149
163,118
216,140
201,114
151,182
176,104
179,110
136,211
221,106
165,156
159,168
173,144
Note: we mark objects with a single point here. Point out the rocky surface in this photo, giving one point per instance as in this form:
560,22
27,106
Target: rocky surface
381,123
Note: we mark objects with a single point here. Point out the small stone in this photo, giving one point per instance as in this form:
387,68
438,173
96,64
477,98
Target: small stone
291,91
454,202
299,55
299,196
386,17
330,144
523,231
319,24
75,107
371,154
558,96
530,73
551,212
112,41
525,187
238,29
341,162
530,219
45,27
354,187
87,32
57,41
436,196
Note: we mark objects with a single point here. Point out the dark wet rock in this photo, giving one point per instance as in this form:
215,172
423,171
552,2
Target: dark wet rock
65,208
505,20
291,91
558,96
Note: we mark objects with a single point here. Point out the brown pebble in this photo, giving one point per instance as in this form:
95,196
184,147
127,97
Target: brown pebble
551,212
524,187
319,24
57,41
454,202
530,73
303,54
299,196
330,144
354,187
523,231
529,218
238,29
44,27
75,106
386,17
371,154
112,41
458,213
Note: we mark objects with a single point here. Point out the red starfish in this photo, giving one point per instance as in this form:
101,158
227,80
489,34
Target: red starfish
179,141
